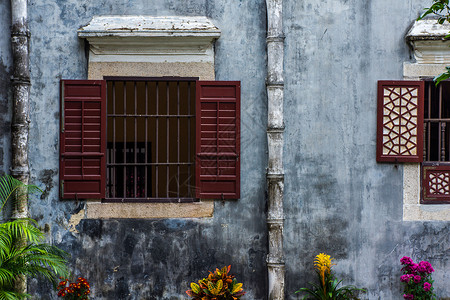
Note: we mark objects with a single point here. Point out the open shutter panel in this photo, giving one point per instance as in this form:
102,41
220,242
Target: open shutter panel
218,140
83,139
400,121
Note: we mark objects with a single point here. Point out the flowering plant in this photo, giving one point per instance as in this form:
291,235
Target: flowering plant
417,279
78,290
328,287
219,285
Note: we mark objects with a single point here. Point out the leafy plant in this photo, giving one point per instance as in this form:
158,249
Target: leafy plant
441,9
78,290
328,287
417,279
219,285
22,252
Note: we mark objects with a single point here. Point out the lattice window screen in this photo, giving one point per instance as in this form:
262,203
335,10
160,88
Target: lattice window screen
436,184
400,121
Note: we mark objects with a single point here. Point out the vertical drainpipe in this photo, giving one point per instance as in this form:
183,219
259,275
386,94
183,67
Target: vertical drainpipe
275,129
21,94
19,125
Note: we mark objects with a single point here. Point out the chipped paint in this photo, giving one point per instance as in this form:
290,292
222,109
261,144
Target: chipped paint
75,220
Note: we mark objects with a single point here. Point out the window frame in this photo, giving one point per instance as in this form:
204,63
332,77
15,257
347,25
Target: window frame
217,194
431,170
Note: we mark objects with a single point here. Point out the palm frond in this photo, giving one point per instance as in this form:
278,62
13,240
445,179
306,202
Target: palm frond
10,186
23,229
6,277
10,295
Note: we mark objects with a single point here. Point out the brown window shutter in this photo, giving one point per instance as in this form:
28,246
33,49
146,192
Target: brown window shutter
436,184
83,139
400,121
217,165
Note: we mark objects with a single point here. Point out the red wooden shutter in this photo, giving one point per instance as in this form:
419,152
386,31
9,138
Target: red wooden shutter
436,184
400,121
83,139
218,139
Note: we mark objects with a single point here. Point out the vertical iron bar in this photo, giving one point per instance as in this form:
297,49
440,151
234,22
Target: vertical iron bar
189,139
135,142
124,139
167,138
429,125
146,140
178,139
440,124
108,150
425,125
443,141
157,141
114,141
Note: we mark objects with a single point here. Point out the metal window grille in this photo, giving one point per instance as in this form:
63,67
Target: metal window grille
436,165
150,140
437,122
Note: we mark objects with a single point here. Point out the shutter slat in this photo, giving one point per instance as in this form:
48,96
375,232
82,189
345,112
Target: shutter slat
83,139
400,121
218,140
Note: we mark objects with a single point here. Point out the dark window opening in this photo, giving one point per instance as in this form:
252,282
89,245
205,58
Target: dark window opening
150,140
437,122
436,156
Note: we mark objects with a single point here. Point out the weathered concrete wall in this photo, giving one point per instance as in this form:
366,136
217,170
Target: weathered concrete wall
5,83
338,200
151,259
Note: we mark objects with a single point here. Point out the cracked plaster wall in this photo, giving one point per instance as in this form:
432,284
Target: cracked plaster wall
149,258
337,198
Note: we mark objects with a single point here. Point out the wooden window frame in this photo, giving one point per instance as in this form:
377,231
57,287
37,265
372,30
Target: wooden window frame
223,185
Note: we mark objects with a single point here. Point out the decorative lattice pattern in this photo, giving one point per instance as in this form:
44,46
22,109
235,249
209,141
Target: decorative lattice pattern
438,183
400,120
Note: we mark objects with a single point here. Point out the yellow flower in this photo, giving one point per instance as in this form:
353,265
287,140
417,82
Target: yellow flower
323,264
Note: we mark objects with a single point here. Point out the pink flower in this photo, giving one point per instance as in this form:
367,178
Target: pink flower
413,268
405,278
425,267
405,260
417,278
426,286
408,296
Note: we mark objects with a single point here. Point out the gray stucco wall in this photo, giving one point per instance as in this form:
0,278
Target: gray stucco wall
150,259
5,82
338,200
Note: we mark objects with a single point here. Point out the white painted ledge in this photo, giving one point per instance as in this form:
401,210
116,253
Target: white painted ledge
427,39
150,39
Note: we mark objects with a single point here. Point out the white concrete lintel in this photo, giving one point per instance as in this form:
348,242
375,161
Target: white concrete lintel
150,39
427,39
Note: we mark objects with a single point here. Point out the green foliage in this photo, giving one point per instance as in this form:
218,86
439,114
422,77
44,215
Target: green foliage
22,251
328,287
219,285
442,76
439,8
11,189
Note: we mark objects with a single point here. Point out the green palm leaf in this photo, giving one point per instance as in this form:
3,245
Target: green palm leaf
10,186
22,252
